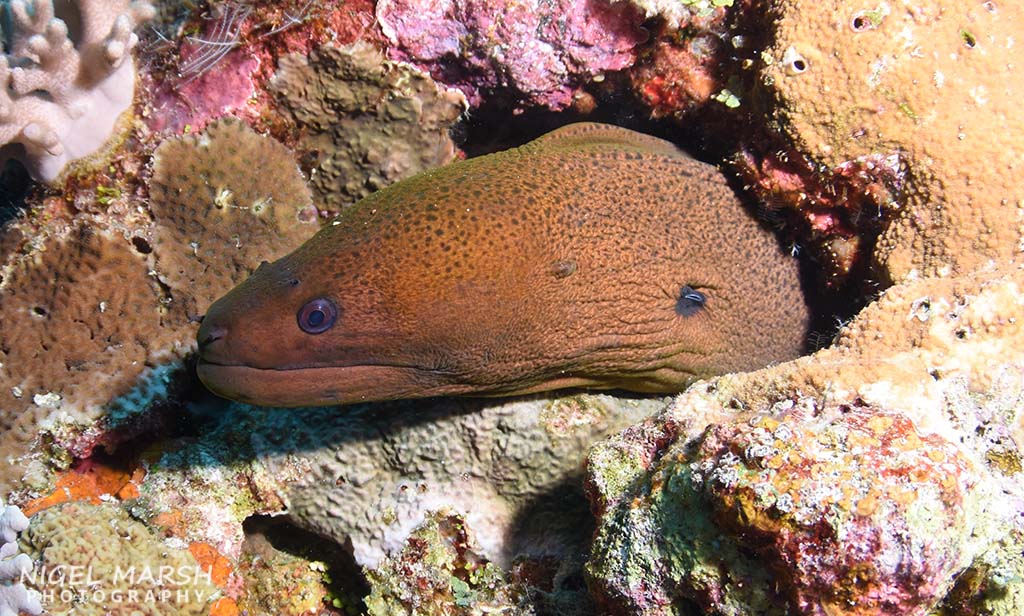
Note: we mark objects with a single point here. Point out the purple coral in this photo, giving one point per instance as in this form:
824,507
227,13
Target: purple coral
537,52
66,79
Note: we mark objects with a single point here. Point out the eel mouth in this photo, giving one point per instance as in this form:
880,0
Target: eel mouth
340,385
322,385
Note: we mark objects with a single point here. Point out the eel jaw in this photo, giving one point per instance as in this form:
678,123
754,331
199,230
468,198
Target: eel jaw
339,385
323,385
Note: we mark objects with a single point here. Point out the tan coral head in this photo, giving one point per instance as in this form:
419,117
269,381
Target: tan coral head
592,257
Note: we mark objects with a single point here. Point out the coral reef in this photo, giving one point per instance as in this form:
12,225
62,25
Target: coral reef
366,477
440,571
96,314
684,64
83,327
525,54
15,598
65,79
222,202
94,558
365,122
882,474
866,477
902,121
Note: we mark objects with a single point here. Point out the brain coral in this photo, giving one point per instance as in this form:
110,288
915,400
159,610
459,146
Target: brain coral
867,477
365,122
95,559
222,202
909,114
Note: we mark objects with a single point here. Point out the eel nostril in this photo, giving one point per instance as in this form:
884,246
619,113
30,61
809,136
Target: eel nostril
213,334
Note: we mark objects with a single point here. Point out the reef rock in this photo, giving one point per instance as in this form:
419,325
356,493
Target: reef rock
866,478
899,120
366,476
525,53
439,571
365,122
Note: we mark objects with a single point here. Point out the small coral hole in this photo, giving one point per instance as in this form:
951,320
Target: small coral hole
861,23
141,245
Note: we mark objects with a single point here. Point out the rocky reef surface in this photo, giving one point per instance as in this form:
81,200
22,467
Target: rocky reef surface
866,478
880,474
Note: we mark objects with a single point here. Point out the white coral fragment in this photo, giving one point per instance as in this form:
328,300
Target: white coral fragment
62,88
14,597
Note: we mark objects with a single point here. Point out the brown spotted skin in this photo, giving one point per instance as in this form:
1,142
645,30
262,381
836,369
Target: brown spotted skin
556,264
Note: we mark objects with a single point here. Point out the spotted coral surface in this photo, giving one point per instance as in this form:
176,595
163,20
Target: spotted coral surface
223,201
366,122
897,119
863,479
83,325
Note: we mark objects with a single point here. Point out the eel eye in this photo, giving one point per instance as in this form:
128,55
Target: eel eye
317,316
690,301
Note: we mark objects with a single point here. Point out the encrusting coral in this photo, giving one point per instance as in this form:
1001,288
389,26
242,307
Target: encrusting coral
365,122
65,78
15,598
899,444
82,324
529,53
95,559
96,318
895,119
366,476
440,571
222,202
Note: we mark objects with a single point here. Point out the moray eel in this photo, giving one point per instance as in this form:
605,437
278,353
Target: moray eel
591,257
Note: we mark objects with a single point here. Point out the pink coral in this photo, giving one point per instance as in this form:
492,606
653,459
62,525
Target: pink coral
537,53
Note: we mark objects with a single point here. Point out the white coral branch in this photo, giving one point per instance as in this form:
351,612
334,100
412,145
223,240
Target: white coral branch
61,92
14,597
